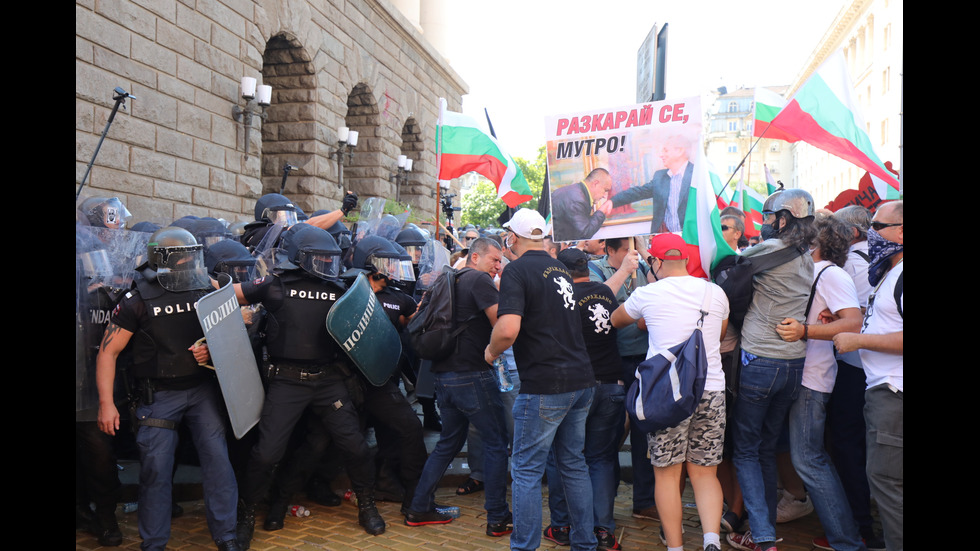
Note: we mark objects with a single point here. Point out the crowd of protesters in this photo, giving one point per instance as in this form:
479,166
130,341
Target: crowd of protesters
801,409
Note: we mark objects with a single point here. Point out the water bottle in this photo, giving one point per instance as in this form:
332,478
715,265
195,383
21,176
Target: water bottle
299,511
450,510
503,379
130,507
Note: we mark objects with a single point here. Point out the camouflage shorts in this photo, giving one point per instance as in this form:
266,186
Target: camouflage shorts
699,439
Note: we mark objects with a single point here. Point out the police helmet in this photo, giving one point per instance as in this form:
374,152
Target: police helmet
209,231
229,257
412,239
376,254
145,227
312,249
388,227
797,202
276,208
105,212
341,234
177,260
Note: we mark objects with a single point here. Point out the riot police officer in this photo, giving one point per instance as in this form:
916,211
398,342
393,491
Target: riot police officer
307,369
158,315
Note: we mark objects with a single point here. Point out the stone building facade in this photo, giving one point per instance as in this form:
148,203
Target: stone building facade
176,150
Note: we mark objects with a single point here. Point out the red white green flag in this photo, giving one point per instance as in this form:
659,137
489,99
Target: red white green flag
771,185
702,221
751,203
824,114
768,104
462,147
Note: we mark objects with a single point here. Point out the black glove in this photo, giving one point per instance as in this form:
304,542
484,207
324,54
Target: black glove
349,203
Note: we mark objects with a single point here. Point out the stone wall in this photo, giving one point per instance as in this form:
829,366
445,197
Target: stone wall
175,149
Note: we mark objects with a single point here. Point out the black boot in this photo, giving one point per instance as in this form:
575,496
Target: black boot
106,529
275,519
246,525
367,514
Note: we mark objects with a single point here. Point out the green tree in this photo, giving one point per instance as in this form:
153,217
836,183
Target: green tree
480,204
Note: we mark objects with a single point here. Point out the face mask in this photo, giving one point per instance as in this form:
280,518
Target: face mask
767,231
880,250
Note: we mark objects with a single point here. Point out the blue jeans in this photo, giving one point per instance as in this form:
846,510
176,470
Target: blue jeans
603,430
543,422
474,442
807,419
644,482
767,388
200,408
464,398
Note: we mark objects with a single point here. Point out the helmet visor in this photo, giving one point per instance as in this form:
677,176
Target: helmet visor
239,270
283,215
181,268
323,264
394,268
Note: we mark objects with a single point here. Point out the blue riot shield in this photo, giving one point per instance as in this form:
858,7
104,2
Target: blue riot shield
362,329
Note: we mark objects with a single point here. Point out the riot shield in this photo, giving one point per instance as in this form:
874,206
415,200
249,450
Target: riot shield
231,354
104,269
362,329
265,252
434,257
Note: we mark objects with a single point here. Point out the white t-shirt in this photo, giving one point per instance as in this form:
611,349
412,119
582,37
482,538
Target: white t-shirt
835,291
671,308
883,318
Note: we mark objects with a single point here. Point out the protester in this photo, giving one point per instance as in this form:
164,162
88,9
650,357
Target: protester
537,316
672,309
881,343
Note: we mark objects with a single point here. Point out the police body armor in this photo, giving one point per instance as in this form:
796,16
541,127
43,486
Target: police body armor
160,349
295,327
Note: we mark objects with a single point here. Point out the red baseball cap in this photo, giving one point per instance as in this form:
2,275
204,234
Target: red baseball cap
663,242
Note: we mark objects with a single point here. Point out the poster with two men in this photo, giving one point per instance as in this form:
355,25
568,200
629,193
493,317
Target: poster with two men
624,171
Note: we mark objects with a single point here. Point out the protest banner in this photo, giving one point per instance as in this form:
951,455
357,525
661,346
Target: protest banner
622,172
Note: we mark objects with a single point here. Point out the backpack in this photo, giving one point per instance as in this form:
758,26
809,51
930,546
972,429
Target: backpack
433,330
734,275
669,385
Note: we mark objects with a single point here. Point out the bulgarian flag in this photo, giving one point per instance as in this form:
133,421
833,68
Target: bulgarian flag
768,104
823,113
771,185
702,221
461,147
751,203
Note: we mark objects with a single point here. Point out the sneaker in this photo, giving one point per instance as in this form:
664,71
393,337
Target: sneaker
498,529
730,522
872,545
789,508
421,519
647,513
744,541
712,547
557,535
607,541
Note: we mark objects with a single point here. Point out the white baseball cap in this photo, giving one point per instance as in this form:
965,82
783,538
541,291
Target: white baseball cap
526,221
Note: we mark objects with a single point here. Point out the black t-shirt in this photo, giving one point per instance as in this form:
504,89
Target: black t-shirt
549,350
595,303
396,304
475,292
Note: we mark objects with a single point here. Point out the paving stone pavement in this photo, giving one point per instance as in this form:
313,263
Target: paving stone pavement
336,529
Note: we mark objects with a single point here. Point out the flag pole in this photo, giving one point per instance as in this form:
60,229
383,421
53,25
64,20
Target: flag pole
743,158
439,121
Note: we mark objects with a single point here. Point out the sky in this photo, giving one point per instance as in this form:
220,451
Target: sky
526,59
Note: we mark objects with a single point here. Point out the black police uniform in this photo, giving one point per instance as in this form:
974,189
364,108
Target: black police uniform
306,370
175,388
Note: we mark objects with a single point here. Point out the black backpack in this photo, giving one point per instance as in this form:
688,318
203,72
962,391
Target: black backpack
434,329
734,275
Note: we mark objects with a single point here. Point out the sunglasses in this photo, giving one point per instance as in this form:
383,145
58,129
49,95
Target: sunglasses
725,227
878,226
